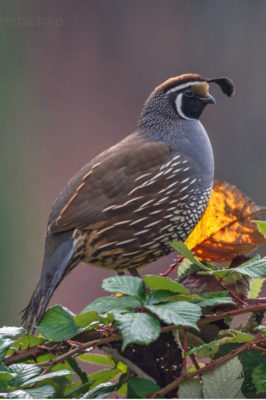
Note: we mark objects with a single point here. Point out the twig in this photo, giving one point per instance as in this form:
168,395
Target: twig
215,317
80,349
171,386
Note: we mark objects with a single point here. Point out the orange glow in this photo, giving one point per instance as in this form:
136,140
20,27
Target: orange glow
226,228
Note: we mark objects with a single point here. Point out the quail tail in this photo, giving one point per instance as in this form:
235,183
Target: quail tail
53,271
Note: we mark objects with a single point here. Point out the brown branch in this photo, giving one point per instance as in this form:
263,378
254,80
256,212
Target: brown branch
62,347
215,317
80,349
171,386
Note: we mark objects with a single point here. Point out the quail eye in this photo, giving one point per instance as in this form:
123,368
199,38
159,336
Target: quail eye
189,92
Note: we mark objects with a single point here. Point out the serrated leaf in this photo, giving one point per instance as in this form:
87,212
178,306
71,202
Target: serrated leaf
139,328
255,287
130,285
155,282
224,381
206,349
236,336
259,378
58,324
190,389
182,249
83,320
42,392
158,296
97,359
23,373
232,278
254,268
186,268
229,336
78,390
5,344
261,227
25,342
109,304
5,375
177,312
215,301
10,331
100,391
103,376
50,375
250,359
139,388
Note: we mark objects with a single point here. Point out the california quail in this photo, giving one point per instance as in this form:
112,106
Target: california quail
121,210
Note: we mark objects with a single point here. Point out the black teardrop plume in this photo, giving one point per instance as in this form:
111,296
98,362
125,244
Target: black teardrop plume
226,84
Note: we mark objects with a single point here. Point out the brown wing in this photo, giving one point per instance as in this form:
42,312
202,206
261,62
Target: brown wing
111,181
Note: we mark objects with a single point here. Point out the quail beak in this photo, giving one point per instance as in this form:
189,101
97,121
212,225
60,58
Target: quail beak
208,99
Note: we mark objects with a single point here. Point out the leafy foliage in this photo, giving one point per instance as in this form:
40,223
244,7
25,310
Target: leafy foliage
143,318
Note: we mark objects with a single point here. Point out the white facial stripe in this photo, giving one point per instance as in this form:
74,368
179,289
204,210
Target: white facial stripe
184,86
178,103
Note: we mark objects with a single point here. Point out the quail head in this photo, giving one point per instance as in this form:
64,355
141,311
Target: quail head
122,209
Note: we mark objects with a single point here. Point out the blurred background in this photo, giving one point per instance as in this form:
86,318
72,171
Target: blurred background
74,76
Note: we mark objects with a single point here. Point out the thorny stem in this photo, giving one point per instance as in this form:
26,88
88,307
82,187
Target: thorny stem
79,349
35,351
171,386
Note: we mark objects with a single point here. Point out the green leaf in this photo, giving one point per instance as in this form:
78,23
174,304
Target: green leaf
186,268
155,282
259,378
139,388
211,295
232,277
58,324
5,343
83,320
97,359
50,375
130,285
215,301
158,296
138,328
261,328
10,331
254,268
101,391
224,381
104,375
42,392
190,389
261,227
182,249
229,336
255,287
5,375
206,349
178,313
250,359
23,373
25,342
109,304
77,391
236,336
